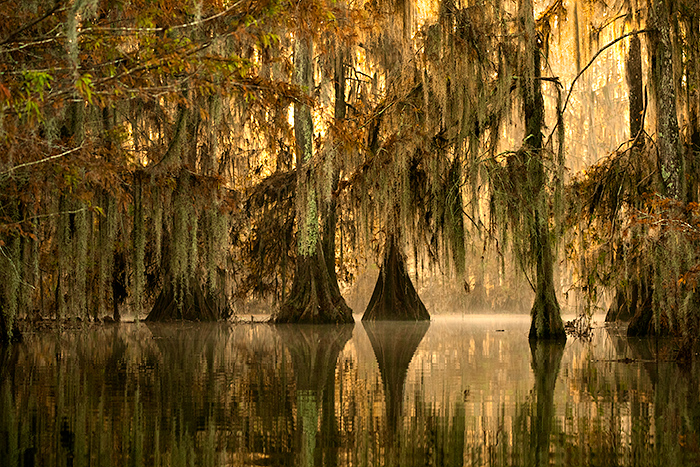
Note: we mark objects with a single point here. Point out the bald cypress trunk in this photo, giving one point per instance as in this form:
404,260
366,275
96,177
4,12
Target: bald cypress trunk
624,305
663,86
634,85
313,298
394,297
546,314
331,216
670,156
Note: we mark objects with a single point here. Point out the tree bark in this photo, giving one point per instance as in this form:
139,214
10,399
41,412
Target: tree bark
546,314
671,164
313,298
634,85
331,216
670,156
394,297
190,303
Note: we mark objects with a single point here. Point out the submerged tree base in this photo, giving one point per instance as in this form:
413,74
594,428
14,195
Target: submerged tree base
546,318
313,298
192,303
619,309
394,297
640,305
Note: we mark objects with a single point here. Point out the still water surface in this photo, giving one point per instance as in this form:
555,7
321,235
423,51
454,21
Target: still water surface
463,390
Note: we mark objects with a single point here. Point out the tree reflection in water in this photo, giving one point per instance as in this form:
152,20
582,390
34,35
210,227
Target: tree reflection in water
534,425
456,393
394,344
314,350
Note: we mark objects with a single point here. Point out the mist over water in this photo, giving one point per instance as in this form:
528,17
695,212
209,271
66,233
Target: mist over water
461,390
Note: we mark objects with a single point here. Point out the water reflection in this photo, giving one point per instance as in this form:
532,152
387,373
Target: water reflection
535,422
466,391
314,350
394,344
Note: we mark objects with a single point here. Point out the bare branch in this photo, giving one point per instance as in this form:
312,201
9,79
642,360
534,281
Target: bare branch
40,161
590,63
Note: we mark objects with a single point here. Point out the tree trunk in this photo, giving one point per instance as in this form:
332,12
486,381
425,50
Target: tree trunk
331,216
314,297
693,101
546,314
394,297
670,161
625,302
188,302
642,322
634,85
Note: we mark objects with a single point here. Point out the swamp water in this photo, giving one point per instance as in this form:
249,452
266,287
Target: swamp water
457,391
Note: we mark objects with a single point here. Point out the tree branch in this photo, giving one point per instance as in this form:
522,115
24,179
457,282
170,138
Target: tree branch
588,65
40,161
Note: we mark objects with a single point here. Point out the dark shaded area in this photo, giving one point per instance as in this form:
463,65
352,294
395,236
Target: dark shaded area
394,345
313,298
629,302
9,333
119,291
190,303
634,84
640,306
394,297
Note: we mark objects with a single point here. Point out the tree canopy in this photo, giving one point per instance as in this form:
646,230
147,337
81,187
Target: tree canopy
174,159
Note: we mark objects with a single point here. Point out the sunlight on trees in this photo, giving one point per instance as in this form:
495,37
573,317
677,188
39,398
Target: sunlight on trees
150,166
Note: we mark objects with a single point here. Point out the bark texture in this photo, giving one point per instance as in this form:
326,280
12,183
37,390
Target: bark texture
394,297
671,164
313,298
189,302
546,314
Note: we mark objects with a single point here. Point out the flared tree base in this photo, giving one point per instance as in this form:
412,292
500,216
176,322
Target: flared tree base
619,309
641,307
394,297
546,317
313,299
192,303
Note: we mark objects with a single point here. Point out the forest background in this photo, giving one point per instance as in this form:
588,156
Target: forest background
179,159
